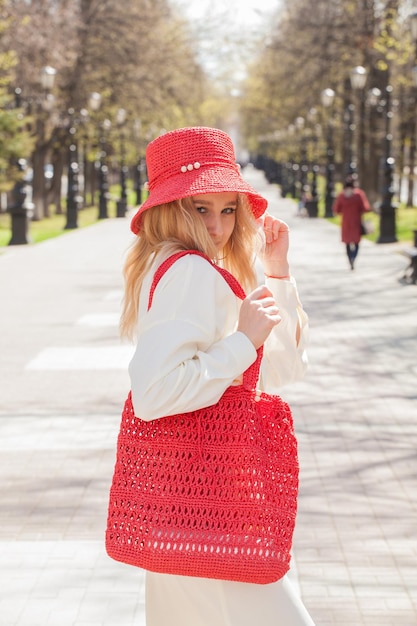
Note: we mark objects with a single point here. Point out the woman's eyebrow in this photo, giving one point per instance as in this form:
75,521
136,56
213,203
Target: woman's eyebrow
197,201
210,203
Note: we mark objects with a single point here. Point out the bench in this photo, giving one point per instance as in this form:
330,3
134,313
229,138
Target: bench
410,274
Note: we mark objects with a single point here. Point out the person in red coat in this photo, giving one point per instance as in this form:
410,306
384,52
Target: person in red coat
351,204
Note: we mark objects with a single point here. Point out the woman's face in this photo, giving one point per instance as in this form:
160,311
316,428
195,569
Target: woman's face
218,211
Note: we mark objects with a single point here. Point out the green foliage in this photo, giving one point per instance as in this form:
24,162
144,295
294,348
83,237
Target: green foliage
15,142
310,50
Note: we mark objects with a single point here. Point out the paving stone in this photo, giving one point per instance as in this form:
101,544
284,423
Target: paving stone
355,544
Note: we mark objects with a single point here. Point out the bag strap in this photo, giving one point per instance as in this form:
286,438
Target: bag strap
251,375
234,284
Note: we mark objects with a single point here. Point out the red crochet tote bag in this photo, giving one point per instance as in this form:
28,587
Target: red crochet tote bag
209,493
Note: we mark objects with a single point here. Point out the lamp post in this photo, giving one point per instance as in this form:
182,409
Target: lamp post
90,179
314,171
413,124
140,165
139,169
43,110
48,74
358,76
412,137
94,105
387,228
350,167
299,125
293,166
22,208
312,202
327,99
103,184
121,206
83,159
375,104
73,169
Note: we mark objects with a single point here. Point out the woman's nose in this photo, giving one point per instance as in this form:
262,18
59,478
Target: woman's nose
214,226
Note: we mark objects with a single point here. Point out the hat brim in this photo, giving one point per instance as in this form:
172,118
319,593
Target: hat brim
198,182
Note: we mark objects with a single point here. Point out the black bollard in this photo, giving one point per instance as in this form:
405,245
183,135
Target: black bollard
21,210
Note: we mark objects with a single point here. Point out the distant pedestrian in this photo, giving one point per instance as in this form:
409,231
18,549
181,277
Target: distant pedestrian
351,204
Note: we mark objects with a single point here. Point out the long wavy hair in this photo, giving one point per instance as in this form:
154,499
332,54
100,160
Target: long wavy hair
176,226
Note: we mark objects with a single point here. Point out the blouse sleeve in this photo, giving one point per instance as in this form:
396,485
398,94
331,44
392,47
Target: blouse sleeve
285,358
183,359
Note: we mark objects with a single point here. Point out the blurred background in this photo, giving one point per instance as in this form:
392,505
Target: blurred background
310,92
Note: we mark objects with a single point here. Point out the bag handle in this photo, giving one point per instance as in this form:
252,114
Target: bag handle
251,375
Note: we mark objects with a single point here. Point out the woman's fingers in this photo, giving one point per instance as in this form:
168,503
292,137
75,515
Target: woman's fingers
258,315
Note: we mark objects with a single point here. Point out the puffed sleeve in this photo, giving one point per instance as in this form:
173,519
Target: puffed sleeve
285,358
188,351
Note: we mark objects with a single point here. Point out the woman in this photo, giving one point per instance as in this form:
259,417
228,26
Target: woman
198,338
351,204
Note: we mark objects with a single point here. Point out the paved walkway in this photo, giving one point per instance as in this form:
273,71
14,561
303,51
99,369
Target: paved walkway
63,381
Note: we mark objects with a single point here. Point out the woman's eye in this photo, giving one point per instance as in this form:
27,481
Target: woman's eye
229,210
201,209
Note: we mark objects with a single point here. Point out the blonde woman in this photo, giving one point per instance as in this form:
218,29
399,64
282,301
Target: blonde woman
197,338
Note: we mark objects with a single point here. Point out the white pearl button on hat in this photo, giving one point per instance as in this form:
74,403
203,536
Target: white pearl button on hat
190,167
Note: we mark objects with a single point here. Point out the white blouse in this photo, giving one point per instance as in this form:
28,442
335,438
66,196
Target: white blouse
188,349
188,352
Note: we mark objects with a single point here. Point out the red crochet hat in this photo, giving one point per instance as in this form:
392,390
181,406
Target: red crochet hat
192,161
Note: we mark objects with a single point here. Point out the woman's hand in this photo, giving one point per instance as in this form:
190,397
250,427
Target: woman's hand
274,256
258,315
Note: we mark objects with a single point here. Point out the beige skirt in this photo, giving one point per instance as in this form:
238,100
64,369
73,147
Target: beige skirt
184,601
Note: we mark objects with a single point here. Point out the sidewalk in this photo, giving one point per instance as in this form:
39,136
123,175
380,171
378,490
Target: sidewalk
63,374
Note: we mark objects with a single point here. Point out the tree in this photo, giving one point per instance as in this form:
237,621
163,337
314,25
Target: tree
137,54
14,141
310,50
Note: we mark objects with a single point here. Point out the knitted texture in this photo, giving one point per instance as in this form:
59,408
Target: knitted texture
192,161
209,493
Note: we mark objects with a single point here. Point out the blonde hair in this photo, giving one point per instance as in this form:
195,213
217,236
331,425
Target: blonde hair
178,226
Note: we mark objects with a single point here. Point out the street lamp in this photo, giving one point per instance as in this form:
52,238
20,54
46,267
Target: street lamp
140,165
348,130
374,96
293,166
311,203
387,228
121,206
314,167
72,179
327,99
414,77
48,74
22,207
299,125
103,171
90,178
358,76
414,27
94,104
